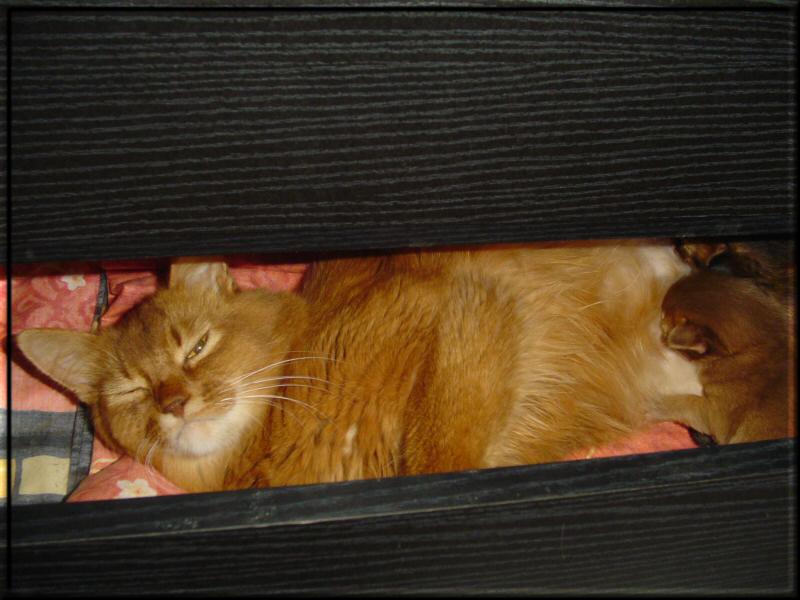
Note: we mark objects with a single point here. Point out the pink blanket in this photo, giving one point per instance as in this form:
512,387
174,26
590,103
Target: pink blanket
64,295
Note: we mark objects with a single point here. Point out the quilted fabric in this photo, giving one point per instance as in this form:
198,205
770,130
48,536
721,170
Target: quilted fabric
52,441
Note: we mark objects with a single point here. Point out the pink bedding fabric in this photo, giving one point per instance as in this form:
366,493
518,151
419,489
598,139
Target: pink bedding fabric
54,295
123,477
65,295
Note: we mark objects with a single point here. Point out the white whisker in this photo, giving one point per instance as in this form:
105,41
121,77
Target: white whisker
252,399
276,364
258,422
260,403
277,397
287,377
148,460
138,450
277,387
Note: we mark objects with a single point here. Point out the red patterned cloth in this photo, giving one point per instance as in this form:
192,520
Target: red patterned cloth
51,447
58,295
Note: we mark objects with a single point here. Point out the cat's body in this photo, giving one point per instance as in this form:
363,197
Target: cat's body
399,364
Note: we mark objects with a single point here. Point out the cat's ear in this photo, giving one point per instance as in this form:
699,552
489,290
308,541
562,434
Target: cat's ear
202,275
692,338
701,255
70,358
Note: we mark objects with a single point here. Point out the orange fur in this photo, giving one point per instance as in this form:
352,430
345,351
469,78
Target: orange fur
407,363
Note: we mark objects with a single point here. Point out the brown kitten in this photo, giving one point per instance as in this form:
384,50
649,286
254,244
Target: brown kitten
770,264
739,335
407,363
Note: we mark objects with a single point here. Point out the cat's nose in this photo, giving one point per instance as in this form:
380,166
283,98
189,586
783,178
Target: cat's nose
174,405
172,398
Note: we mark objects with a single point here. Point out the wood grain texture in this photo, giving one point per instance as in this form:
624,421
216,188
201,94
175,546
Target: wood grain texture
159,133
143,134
406,4
4,426
3,135
710,520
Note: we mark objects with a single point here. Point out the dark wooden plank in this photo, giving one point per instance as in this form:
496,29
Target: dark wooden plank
3,132
711,520
405,4
3,260
161,133
3,549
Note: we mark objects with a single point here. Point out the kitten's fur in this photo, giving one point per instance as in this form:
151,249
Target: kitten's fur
415,362
734,317
768,264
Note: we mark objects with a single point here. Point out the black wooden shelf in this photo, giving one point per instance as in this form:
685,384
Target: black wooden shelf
151,133
715,520
163,133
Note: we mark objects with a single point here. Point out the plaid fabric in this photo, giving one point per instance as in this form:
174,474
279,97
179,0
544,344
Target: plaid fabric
51,441
52,452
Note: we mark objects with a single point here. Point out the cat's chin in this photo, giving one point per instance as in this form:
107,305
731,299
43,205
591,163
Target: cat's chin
199,436
195,437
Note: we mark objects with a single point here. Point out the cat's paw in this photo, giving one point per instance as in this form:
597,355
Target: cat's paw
702,439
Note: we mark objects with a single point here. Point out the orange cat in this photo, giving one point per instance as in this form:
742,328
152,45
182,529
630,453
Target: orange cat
413,362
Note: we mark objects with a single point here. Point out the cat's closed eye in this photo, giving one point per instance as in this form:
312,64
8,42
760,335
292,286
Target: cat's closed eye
125,393
131,391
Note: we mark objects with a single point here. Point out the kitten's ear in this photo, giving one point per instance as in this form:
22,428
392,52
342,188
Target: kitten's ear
70,358
700,255
202,275
692,338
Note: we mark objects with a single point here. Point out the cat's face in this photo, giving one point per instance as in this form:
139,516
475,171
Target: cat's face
187,371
